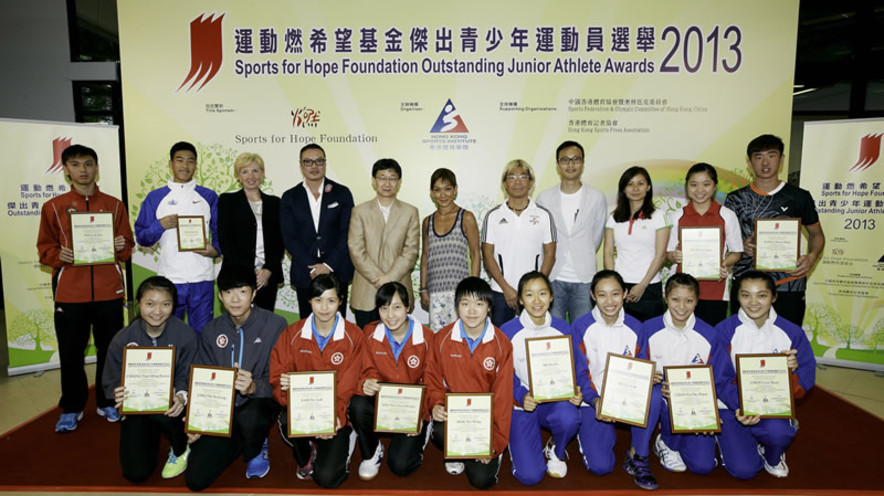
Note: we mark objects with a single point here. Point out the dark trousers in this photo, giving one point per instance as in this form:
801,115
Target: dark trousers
73,321
363,318
140,443
211,455
711,311
266,297
304,308
650,305
406,453
500,313
480,475
331,464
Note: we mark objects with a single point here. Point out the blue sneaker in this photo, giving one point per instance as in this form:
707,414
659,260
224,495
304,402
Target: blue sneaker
640,469
260,465
67,422
110,413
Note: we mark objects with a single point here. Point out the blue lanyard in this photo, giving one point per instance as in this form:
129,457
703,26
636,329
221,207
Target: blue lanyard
233,348
395,346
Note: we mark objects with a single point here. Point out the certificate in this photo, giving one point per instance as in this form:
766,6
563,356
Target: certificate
701,252
550,368
147,375
626,393
92,238
311,403
777,244
210,406
398,408
693,405
765,386
468,428
191,232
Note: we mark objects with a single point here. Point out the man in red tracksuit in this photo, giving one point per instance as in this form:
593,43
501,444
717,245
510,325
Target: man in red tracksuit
87,297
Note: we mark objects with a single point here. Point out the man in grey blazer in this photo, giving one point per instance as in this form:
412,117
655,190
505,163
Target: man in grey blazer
384,241
579,212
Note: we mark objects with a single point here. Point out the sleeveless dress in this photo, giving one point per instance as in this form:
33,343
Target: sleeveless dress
447,265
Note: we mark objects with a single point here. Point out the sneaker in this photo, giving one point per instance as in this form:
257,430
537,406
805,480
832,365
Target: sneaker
780,470
306,472
639,467
175,465
260,464
670,459
454,468
110,413
67,422
369,468
555,467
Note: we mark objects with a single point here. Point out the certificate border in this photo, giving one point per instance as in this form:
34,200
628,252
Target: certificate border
740,383
417,423
490,428
573,371
178,232
171,378
797,244
605,388
288,403
187,428
714,399
71,216
720,242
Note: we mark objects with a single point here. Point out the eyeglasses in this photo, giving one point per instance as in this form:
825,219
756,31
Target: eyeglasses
570,160
517,177
319,162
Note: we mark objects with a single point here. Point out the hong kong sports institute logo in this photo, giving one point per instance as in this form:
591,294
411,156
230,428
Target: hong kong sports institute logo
869,151
206,53
449,121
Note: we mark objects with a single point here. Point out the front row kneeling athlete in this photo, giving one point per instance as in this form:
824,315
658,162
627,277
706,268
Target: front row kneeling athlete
242,337
322,341
395,351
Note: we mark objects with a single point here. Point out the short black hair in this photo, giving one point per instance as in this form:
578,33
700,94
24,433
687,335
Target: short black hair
157,283
764,143
682,279
530,276
322,283
182,146
569,144
444,174
233,275
78,151
701,167
386,164
756,275
385,294
310,146
606,274
476,287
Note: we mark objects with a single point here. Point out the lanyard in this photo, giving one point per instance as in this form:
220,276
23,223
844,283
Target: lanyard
233,348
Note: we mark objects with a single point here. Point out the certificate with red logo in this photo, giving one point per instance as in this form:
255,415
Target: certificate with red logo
701,252
191,232
468,428
398,408
693,405
148,375
92,238
777,244
626,394
311,403
765,385
550,368
210,406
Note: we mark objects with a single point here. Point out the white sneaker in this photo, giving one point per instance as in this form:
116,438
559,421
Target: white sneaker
780,470
454,468
369,468
670,459
555,467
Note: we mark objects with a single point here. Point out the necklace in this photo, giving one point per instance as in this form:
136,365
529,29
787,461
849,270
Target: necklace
517,210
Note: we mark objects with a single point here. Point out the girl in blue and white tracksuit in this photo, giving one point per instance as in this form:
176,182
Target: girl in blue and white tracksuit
748,442
529,417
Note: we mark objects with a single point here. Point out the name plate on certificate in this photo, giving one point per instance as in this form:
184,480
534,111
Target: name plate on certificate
148,375
398,408
701,252
311,403
210,406
777,244
191,232
765,386
693,404
92,238
550,368
468,428
626,393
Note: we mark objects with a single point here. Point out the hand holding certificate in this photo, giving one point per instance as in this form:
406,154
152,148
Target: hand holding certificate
626,394
398,408
551,368
212,393
148,375
468,428
765,386
191,232
701,252
311,403
92,238
777,244
693,404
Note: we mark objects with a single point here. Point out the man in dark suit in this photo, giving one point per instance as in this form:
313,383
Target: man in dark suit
315,217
